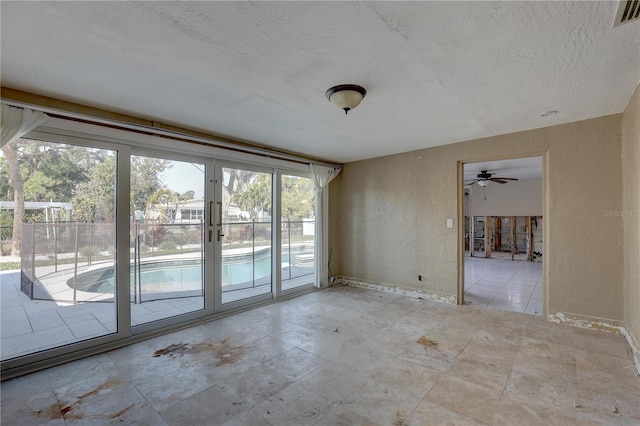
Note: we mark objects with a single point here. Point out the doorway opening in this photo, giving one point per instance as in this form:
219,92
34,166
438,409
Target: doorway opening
503,223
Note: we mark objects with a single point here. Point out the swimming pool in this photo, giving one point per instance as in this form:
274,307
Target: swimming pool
186,275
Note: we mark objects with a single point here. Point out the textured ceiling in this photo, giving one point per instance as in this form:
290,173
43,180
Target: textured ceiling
435,72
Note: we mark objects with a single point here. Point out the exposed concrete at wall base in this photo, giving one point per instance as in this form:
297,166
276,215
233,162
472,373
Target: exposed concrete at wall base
600,325
406,291
630,218
393,212
582,321
635,348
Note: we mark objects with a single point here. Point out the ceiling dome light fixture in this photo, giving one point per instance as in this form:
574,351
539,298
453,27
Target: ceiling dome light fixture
346,96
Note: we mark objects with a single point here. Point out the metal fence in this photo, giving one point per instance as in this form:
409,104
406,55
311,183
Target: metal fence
53,254
70,261
48,248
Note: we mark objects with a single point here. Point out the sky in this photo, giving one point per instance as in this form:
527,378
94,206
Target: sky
183,177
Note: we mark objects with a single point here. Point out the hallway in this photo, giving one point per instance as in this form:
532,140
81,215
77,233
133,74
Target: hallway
503,284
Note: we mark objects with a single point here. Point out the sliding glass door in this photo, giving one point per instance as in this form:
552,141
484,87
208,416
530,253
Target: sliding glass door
297,231
103,240
244,234
167,244
58,209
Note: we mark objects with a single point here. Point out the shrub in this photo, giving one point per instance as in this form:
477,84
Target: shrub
168,245
87,251
156,234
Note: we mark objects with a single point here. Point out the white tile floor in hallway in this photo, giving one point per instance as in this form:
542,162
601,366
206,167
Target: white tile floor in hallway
344,356
503,284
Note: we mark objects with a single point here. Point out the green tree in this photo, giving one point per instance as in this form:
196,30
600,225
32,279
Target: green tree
94,200
145,179
256,198
6,190
51,170
15,181
298,195
188,195
234,181
165,202
33,170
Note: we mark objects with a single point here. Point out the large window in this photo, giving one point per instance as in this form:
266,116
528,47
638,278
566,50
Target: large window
58,226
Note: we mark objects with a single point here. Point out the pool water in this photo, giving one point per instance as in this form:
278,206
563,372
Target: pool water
179,275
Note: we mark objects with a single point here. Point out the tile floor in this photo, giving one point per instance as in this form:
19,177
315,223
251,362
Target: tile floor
504,284
29,325
345,356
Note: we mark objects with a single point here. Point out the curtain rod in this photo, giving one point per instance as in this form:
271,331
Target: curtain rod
169,134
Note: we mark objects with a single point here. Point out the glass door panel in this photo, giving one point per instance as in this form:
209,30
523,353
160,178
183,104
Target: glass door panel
244,231
58,258
167,249
297,232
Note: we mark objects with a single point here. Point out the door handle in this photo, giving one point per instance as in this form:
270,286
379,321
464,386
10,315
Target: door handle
220,234
210,213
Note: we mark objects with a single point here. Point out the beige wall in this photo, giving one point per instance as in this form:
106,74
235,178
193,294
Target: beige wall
518,198
392,214
631,215
334,220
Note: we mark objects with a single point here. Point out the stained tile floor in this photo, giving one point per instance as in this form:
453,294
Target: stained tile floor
30,325
345,356
503,284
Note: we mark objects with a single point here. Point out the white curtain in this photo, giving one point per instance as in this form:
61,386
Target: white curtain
17,122
321,177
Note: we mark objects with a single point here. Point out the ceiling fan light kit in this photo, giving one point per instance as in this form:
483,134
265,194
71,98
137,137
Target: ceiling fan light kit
346,96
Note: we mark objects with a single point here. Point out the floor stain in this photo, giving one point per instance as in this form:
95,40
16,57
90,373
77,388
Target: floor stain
400,419
171,350
223,351
54,411
121,412
426,342
103,388
69,410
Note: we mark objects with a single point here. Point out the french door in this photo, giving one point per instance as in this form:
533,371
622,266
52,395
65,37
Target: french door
170,251
201,244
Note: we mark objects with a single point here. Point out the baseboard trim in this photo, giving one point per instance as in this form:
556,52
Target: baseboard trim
390,288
